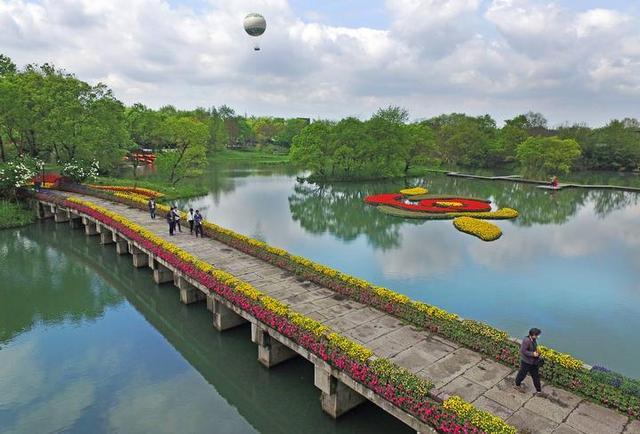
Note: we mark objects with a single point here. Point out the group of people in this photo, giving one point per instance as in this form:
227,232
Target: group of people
194,218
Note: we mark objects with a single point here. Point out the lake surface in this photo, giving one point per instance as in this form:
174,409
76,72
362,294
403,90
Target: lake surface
89,344
570,264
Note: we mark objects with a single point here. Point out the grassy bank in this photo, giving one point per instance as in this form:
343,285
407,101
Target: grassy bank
13,215
249,156
182,190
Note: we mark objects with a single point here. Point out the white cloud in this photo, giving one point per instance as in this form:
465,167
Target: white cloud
504,57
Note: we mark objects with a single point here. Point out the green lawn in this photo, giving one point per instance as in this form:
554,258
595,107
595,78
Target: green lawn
182,190
249,156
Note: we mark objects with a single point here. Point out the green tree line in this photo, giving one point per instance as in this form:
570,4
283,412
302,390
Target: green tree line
388,145
49,114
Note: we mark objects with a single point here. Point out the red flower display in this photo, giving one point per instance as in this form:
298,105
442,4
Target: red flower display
429,205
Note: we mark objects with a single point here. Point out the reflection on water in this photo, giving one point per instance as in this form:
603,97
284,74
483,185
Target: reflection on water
90,344
568,264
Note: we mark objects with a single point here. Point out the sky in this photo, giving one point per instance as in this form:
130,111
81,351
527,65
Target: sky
572,60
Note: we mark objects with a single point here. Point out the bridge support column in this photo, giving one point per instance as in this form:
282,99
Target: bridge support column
140,258
189,293
90,228
270,351
43,211
210,304
60,216
161,274
122,247
75,221
224,318
106,236
337,398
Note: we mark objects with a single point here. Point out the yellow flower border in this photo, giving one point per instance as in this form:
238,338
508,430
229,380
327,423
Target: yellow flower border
480,418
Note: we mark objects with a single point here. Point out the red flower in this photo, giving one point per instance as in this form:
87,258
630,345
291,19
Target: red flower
429,205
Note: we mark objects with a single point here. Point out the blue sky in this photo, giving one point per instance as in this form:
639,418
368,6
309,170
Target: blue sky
573,60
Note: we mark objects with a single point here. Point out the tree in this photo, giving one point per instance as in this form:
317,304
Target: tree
548,154
393,114
292,128
143,125
7,66
309,149
420,144
188,139
463,140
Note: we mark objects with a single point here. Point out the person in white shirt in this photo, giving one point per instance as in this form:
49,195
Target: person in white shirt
190,220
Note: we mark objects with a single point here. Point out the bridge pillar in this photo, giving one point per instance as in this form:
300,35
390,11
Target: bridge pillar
223,317
106,236
43,211
189,293
90,228
122,247
60,216
74,220
210,304
337,398
140,258
270,351
161,274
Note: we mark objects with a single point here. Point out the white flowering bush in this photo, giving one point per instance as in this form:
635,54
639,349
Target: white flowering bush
15,174
80,171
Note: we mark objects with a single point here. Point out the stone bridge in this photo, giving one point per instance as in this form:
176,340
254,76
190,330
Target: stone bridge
453,369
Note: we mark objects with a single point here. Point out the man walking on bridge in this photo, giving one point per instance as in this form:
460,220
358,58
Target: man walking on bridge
197,219
152,208
530,360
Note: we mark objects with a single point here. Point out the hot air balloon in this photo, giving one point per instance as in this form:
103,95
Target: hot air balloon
255,25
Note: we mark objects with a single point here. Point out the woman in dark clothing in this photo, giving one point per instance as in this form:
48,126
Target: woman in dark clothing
172,222
530,360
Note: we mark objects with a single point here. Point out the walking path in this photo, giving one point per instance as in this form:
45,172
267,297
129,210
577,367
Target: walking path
453,369
543,184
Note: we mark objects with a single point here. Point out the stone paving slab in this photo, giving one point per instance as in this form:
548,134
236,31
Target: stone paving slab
566,429
486,404
595,419
529,422
369,331
452,368
341,324
556,405
396,341
633,427
366,314
504,393
461,386
422,354
488,373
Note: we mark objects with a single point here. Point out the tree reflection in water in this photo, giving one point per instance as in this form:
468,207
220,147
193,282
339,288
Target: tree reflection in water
338,208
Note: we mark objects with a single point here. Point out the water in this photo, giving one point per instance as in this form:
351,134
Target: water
568,265
90,344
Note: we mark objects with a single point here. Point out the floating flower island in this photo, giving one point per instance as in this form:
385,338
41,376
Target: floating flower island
415,203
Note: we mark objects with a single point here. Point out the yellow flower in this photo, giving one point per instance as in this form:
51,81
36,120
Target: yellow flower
481,229
446,204
482,419
413,191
